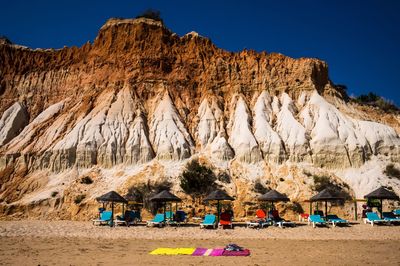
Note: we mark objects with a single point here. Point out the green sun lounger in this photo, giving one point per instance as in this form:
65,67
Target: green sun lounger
390,217
169,215
105,218
335,220
171,218
373,218
158,220
209,220
315,220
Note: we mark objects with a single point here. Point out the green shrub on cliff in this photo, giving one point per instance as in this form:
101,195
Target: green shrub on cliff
392,171
197,180
375,100
152,14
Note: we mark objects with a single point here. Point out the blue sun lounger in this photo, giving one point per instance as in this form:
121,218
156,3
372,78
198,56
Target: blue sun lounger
335,220
158,220
373,218
105,218
396,212
209,220
132,217
315,220
390,217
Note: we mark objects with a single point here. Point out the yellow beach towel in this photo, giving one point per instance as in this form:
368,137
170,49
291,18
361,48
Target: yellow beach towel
173,251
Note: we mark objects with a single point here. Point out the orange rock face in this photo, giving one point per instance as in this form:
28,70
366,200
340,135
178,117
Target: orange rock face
140,94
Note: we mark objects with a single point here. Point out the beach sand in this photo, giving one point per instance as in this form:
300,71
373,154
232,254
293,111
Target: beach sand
81,243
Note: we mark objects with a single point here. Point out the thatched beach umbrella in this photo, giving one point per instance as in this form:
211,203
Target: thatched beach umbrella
381,194
112,197
326,195
273,196
164,197
218,195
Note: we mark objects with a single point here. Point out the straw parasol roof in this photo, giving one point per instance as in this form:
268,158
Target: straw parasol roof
273,196
111,196
218,195
165,196
326,195
382,193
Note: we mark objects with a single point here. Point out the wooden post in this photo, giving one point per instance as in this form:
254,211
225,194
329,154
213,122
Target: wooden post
355,210
112,214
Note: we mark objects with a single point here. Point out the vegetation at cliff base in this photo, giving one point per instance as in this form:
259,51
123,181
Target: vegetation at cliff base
197,180
142,193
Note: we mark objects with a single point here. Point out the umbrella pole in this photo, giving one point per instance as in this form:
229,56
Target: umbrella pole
381,209
112,214
218,211
123,211
165,209
326,208
355,209
310,207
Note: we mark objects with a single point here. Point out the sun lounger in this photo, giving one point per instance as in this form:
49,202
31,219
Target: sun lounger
319,212
169,215
335,220
390,217
278,221
209,220
105,218
373,218
315,220
181,216
132,217
158,220
396,212
172,219
225,220
260,221
303,217
120,221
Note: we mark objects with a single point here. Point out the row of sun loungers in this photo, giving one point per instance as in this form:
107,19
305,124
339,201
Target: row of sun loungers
210,220
330,219
169,218
388,218
262,220
371,218
130,218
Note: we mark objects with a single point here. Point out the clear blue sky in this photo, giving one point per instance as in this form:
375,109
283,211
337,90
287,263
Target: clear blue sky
360,40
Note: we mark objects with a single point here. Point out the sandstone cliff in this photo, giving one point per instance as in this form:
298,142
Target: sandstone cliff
138,102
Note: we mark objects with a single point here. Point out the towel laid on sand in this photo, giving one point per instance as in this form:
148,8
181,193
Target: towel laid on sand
173,251
199,251
244,252
212,252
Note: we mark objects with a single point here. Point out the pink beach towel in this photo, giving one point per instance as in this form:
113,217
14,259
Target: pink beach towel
244,252
199,252
217,252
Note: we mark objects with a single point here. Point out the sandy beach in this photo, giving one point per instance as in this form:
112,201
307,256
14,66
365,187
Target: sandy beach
81,243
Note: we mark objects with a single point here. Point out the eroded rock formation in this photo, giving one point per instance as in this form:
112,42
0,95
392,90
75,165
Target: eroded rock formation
140,95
